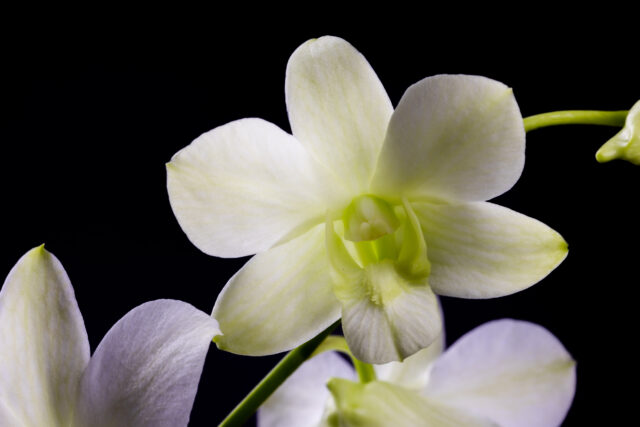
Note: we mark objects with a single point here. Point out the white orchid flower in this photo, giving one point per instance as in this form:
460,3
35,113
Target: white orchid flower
364,213
145,372
503,373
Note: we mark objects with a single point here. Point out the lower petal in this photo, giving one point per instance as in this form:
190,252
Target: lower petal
385,317
513,372
482,250
280,299
146,370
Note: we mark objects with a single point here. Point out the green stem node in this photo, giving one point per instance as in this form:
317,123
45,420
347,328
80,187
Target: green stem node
365,371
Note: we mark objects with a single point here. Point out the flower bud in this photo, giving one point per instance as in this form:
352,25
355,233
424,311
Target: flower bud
625,144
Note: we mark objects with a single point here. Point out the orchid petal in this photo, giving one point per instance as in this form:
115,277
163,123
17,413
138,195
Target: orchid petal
515,373
280,299
413,372
146,370
243,187
385,317
380,404
337,108
482,250
302,399
44,345
452,137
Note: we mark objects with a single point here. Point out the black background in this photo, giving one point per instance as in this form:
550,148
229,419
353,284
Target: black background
93,108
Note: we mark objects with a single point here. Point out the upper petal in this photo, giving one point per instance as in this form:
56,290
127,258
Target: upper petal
280,299
242,187
337,108
482,250
515,373
146,370
44,346
302,399
452,137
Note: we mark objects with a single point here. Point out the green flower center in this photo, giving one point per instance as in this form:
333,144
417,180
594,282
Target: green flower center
368,218
383,250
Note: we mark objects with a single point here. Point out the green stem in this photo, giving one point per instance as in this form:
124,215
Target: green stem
365,371
272,381
575,117
333,343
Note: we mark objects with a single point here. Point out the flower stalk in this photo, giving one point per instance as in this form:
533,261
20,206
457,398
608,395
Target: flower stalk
365,371
575,117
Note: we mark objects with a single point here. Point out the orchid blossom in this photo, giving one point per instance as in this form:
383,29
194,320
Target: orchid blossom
363,212
145,372
503,373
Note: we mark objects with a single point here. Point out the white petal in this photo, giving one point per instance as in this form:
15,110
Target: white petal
242,187
515,373
301,400
280,299
380,404
338,108
452,137
413,372
482,250
43,344
146,370
386,318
